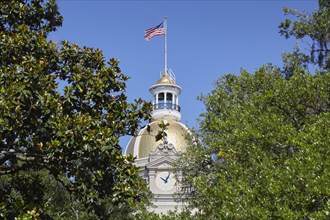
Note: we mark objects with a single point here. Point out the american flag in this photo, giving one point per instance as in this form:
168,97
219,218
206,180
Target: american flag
154,31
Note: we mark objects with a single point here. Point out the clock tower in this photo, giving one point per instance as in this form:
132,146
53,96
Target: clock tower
155,158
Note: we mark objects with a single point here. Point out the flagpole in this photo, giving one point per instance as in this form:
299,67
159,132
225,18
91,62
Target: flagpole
165,50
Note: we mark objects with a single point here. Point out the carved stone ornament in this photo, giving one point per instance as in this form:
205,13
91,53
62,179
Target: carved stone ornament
164,148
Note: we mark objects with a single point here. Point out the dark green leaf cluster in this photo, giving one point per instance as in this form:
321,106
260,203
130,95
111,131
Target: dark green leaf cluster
161,134
60,155
38,15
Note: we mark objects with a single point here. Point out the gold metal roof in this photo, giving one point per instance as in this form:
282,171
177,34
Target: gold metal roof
166,79
130,146
145,142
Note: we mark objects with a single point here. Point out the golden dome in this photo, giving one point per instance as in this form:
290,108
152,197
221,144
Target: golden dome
165,79
142,145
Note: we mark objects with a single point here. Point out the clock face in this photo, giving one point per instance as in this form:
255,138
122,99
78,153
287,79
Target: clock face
165,181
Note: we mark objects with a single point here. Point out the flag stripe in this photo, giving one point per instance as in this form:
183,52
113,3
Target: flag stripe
154,31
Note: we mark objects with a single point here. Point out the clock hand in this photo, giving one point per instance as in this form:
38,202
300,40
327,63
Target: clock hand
168,176
165,180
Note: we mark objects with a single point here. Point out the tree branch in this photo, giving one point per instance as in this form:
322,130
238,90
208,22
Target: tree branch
11,154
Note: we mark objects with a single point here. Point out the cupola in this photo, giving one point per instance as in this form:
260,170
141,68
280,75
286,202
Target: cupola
166,97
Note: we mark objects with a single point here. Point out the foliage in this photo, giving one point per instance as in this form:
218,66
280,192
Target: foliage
314,28
270,136
161,134
265,137
62,147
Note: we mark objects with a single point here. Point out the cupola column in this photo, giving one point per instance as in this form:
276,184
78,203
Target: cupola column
156,100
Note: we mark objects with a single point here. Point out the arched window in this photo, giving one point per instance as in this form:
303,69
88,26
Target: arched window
169,100
161,100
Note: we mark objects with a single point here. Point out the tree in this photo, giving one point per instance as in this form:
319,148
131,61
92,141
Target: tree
62,146
265,140
314,29
269,137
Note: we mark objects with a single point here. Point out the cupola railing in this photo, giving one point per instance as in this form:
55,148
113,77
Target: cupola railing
169,106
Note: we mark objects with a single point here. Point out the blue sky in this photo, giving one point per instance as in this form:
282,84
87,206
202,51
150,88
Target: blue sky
206,39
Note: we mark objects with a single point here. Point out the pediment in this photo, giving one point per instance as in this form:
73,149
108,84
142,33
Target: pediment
161,163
